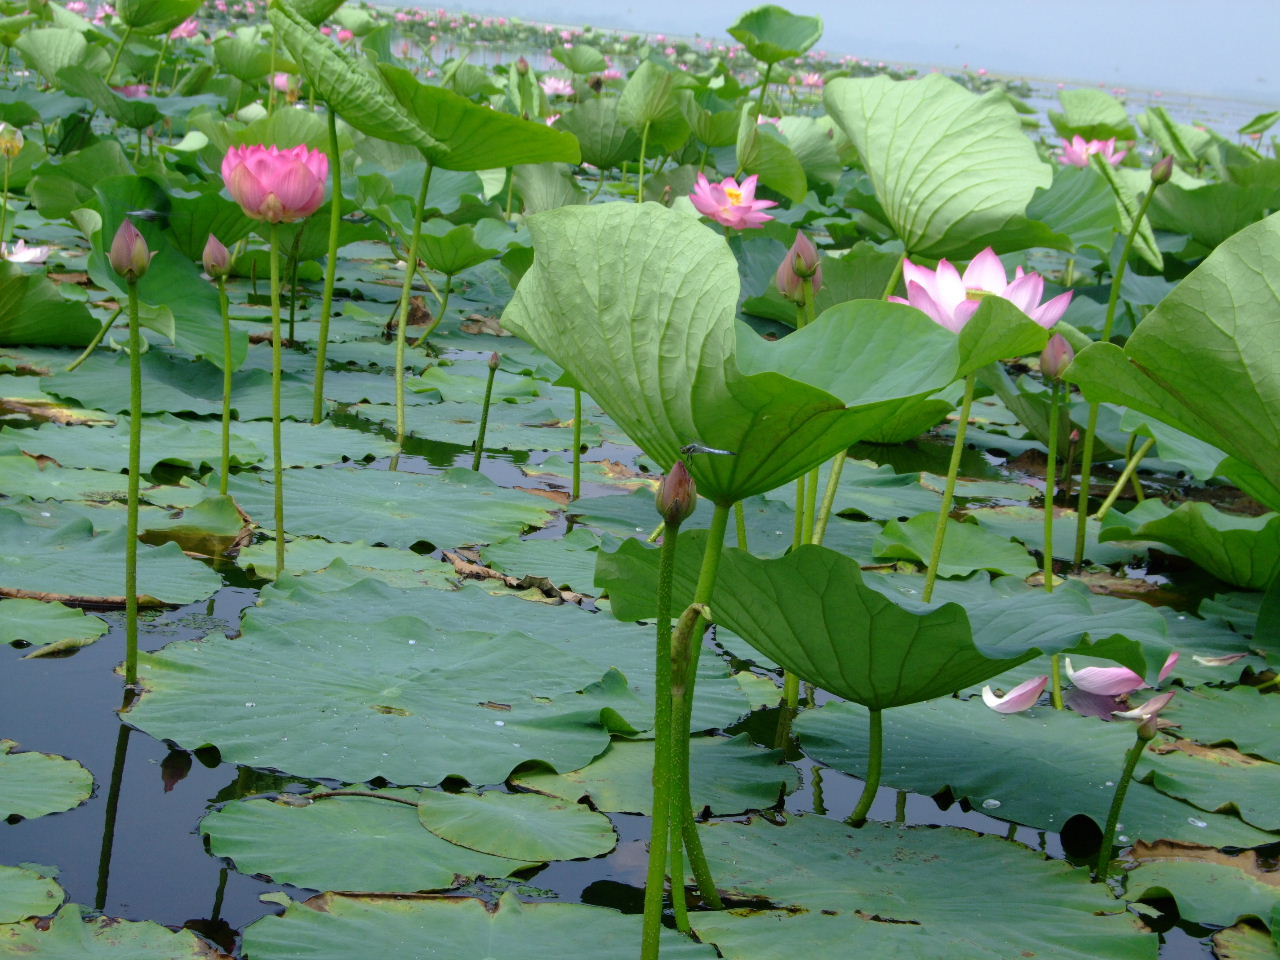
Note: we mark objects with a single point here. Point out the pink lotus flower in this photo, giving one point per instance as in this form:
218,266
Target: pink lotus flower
133,91
556,87
814,80
949,298
20,253
345,36
282,82
1077,150
78,6
729,204
276,185
1020,698
1114,681
551,120
185,30
612,74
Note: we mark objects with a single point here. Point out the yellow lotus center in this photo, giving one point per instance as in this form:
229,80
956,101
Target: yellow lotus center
735,196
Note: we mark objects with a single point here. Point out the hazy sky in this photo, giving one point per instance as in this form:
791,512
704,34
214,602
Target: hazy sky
1227,49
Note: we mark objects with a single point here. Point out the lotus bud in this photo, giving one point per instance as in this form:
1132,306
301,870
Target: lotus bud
677,495
129,255
522,66
1148,728
1056,357
494,360
11,140
217,258
1162,171
801,263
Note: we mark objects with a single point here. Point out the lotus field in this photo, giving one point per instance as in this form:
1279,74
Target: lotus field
472,488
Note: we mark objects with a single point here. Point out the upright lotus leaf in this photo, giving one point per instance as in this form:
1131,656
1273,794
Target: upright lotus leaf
949,167
762,151
649,96
467,136
772,34
315,12
1128,207
32,310
245,59
581,58
811,612
604,139
355,93
52,48
1092,114
451,249
637,303
154,17
131,112
1207,359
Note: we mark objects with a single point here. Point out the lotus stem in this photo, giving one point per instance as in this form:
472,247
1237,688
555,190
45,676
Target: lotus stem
111,70
1086,452
226,386
511,189
484,417
948,495
663,732
894,277
271,77
411,265
293,281
679,899
97,339
1050,486
1103,867
1055,669
740,521
135,470
155,74
797,535
109,818
644,143
875,758
900,807
276,363
442,304
330,267
1130,469
764,89
577,443
4,197
819,797
829,497
810,504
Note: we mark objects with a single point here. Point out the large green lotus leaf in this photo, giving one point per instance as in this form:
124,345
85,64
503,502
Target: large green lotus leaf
1001,763
1204,360
568,561
948,166
51,48
581,58
308,554
524,426
521,826
165,439
968,547
665,362
71,563
1246,941
49,627
34,784
812,140
334,927
772,34
70,936
33,311
762,151
316,12
344,843
1128,206
25,893
1242,716
394,698
1079,204
1217,779
728,776
1244,551
396,509
811,612
604,139
356,93
1092,114
1211,886
451,249
1212,213
873,491
467,136
245,59
129,111
23,476
154,17
650,97
456,387
1025,523
1001,899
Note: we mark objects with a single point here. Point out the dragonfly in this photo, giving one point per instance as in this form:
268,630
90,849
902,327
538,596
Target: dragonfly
691,448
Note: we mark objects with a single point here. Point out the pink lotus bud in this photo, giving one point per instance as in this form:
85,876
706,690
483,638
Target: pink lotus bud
677,495
129,255
345,36
494,360
1162,171
217,259
801,263
276,185
522,66
1056,357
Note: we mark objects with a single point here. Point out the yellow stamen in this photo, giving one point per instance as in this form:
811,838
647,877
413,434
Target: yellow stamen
735,196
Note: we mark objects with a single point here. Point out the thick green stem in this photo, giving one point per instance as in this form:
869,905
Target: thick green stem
111,70
1050,486
1086,468
661,832
293,283
894,277
829,498
155,74
226,386
577,443
1117,803
764,89
135,471
810,504
948,495
271,77
875,759
276,374
410,267
4,197
740,521
330,267
97,339
484,419
797,533
511,190
644,143
1055,668
1130,469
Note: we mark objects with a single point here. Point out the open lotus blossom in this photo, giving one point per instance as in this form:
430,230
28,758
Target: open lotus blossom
1146,710
345,36
1114,681
729,204
185,30
276,185
1077,151
133,91
557,87
21,253
814,80
952,300
1021,697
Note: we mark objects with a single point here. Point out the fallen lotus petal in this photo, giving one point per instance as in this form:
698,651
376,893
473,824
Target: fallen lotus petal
1114,681
1021,697
1146,710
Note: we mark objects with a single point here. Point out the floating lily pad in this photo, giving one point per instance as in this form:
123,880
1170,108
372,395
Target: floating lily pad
879,886
1217,779
1002,762
398,509
1210,886
344,843
1026,524
522,826
569,561
1242,716
22,476
335,927
26,893
520,426
968,547
871,491
306,554
102,938
1244,941
165,439
728,775
50,627
33,784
